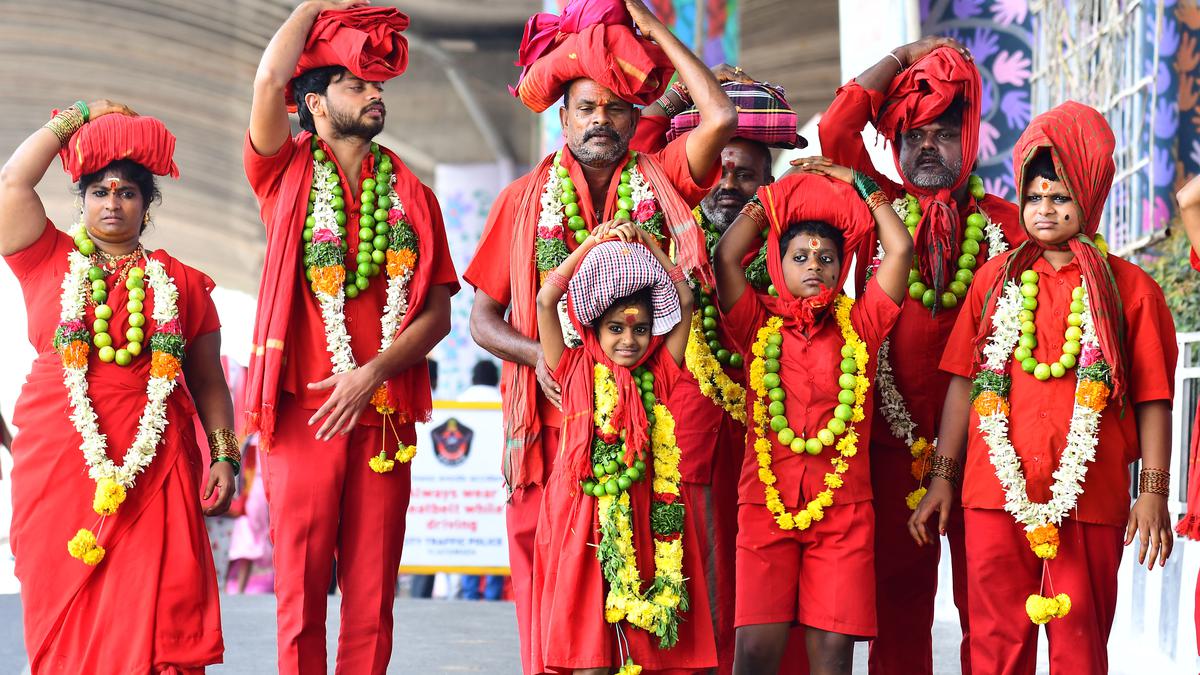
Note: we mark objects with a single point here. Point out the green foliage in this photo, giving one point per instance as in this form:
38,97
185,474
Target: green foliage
986,380
666,518
549,254
1167,262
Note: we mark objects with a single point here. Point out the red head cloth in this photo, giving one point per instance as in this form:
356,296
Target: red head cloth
592,39
366,40
1081,144
800,197
918,96
615,269
108,138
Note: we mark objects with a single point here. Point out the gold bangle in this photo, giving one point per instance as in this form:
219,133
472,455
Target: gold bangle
945,468
877,199
223,443
65,124
1155,481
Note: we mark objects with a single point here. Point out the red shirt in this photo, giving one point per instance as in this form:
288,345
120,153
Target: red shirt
305,356
489,268
810,368
1041,411
919,337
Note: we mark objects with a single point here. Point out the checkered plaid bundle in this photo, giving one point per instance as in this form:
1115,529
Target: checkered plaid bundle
615,269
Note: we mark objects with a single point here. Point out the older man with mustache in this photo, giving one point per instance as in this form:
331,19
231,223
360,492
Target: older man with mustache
924,98
593,179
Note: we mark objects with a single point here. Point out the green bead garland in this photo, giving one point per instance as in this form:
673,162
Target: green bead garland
619,476
1072,337
779,423
135,335
709,317
374,203
973,237
570,198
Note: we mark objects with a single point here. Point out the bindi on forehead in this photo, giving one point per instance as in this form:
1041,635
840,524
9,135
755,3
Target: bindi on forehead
631,315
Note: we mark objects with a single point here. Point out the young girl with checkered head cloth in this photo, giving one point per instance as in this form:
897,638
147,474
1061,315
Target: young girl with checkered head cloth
805,540
617,580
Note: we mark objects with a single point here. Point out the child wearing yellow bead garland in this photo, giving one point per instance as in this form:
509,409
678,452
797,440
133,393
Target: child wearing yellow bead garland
617,574
805,551
1063,360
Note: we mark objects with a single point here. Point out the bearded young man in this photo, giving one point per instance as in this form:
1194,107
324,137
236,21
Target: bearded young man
574,57
355,292
924,98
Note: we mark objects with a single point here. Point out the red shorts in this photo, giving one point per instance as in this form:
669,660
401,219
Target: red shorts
822,577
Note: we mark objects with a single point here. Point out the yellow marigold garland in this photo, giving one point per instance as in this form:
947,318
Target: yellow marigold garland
710,375
847,444
657,610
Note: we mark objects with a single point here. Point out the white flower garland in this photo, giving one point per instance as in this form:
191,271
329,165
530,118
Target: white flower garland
333,314
1082,433
153,420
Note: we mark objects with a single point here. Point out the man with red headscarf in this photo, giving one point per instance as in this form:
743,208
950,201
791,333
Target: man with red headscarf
355,292
924,98
1063,365
592,59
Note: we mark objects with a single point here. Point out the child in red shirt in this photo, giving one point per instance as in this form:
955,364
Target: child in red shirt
1064,362
615,544
805,521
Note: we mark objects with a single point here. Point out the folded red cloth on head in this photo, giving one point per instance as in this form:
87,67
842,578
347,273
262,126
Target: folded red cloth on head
634,68
111,137
366,40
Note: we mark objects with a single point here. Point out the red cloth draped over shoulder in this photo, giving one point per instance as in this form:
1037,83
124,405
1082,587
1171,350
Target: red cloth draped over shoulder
141,139
594,39
800,197
366,40
410,388
1189,525
918,96
158,565
1081,144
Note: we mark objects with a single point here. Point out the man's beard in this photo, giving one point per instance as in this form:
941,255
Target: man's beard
355,126
608,157
722,216
939,179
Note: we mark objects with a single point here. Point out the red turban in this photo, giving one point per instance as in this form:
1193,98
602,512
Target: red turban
803,196
365,40
918,96
593,39
111,137
1081,144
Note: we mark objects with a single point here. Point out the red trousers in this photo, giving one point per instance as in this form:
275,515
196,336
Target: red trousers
906,575
524,508
324,501
1004,572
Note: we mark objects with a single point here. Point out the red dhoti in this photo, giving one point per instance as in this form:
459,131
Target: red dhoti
521,517
324,501
1004,572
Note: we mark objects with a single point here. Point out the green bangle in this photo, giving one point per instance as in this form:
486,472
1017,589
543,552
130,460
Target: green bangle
87,114
864,185
237,467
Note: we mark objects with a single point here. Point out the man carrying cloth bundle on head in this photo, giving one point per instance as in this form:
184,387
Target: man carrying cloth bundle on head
592,59
924,98
711,391
355,292
1063,369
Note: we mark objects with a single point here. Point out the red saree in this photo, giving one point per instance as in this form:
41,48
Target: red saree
151,605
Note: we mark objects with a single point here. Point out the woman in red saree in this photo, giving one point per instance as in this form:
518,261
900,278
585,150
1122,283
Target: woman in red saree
107,530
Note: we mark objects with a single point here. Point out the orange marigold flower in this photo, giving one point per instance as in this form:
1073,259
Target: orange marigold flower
328,280
380,400
75,354
990,403
920,467
398,262
1092,394
1044,541
164,365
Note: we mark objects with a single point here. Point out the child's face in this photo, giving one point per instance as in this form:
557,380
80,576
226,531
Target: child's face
624,333
1050,215
809,263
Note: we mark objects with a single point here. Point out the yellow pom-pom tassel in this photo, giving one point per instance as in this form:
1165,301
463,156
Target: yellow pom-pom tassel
406,453
914,498
109,496
381,464
83,547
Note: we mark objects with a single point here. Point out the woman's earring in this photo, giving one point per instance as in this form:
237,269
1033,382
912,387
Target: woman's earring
146,221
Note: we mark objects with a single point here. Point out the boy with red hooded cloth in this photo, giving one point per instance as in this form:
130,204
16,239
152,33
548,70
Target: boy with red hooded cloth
592,59
1063,362
924,98
616,542
805,523
355,292
114,561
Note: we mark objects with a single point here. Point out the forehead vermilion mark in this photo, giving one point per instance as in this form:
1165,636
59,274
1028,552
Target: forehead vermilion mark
631,315
1046,185
814,243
